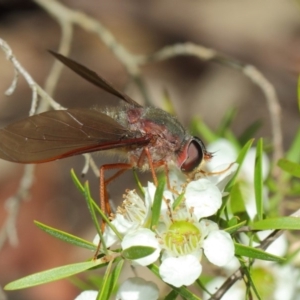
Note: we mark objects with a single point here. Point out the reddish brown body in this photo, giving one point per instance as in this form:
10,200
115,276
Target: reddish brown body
148,136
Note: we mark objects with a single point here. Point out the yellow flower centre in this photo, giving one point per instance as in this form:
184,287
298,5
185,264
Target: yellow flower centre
182,237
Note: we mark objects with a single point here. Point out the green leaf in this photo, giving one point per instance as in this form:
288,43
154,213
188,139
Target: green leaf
247,272
236,227
66,237
239,160
178,200
258,179
158,197
136,252
105,289
256,253
288,223
116,274
293,153
91,206
172,295
77,181
138,182
53,274
236,199
290,167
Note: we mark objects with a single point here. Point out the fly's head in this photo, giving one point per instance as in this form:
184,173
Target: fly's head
192,155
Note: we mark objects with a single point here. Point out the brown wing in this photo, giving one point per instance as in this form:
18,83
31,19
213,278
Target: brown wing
93,77
61,133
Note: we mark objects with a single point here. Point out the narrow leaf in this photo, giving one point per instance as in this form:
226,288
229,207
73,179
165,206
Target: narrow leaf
116,274
251,252
178,200
136,252
236,227
288,223
236,199
104,291
90,203
158,197
76,181
293,153
53,274
239,160
258,179
172,295
66,237
290,167
139,184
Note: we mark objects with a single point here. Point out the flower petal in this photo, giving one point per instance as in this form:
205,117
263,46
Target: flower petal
122,225
204,197
223,152
137,288
226,172
218,247
142,237
178,271
87,295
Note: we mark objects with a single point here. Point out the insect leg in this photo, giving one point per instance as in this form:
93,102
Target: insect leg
103,183
147,153
104,203
214,173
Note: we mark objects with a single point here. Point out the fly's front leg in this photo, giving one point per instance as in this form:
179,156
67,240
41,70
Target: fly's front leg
146,153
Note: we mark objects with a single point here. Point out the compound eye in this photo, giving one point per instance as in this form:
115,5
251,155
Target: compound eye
195,154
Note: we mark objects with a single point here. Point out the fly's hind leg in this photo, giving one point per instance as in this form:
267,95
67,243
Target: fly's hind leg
104,201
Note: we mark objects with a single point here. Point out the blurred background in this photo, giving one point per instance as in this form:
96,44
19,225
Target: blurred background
265,33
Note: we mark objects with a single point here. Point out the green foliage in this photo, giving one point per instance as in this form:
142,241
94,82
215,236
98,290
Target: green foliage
242,250
66,237
53,274
137,252
258,180
158,198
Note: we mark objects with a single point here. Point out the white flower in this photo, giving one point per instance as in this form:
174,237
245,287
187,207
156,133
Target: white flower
215,241
204,197
87,295
182,270
183,239
142,237
181,235
133,214
137,289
